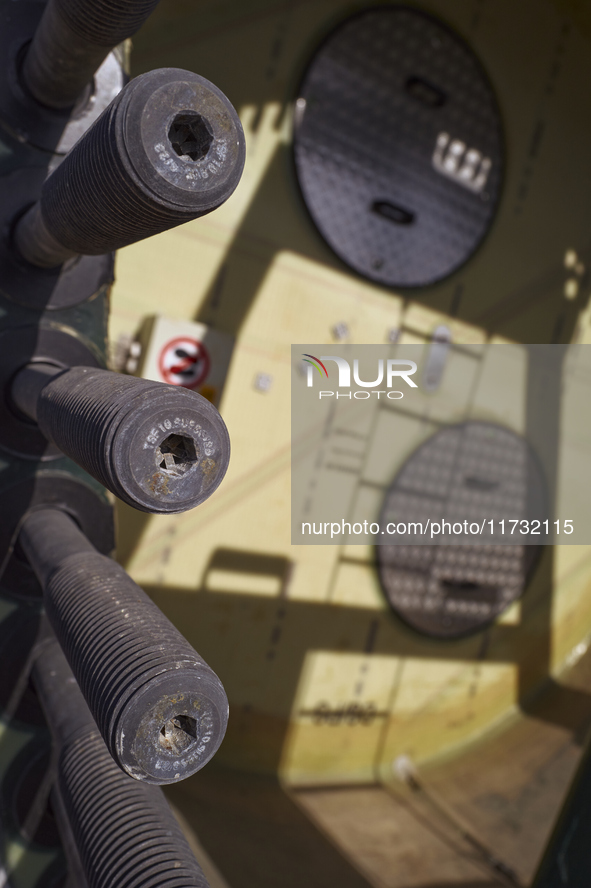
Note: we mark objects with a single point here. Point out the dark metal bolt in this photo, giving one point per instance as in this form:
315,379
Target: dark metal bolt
159,707
72,39
159,448
76,875
169,148
124,831
27,385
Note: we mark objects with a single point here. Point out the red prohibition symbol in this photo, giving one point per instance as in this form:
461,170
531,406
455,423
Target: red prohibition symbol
184,361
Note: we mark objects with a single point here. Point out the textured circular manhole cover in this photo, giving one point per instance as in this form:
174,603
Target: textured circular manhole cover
475,472
398,146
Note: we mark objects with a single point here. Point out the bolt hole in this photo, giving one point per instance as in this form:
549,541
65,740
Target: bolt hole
190,135
178,733
177,454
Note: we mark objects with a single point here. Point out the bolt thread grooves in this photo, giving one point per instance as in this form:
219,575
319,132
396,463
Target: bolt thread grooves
116,640
160,709
105,22
126,833
112,425
81,411
128,178
72,40
92,203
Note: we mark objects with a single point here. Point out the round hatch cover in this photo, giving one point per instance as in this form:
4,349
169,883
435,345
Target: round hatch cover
398,146
474,472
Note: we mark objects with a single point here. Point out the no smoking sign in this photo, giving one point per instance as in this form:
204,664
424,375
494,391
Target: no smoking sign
184,361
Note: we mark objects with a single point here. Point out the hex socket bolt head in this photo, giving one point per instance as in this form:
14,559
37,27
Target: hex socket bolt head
169,148
117,831
161,710
160,448
164,735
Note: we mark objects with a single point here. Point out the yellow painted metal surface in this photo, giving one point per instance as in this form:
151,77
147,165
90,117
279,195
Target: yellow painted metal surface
326,685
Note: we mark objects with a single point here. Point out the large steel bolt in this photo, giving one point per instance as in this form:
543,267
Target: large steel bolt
72,39
160,709
76,874
169,148
160,448
124,831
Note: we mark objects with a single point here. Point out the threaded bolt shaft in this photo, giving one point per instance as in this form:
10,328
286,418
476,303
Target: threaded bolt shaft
76,874
125,833
160,709
169,148
160,448
72,39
